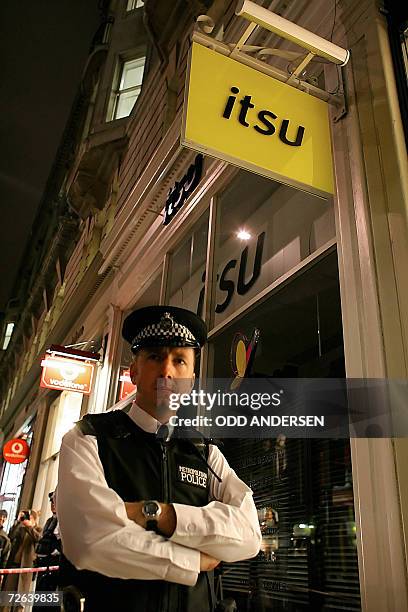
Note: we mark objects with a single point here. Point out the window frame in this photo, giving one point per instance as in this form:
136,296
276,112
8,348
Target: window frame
8,332
116,91
133,5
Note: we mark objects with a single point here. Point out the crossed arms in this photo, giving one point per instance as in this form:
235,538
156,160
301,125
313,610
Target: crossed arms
97,533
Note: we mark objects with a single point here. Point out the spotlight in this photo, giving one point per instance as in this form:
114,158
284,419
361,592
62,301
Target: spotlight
243,235
277,24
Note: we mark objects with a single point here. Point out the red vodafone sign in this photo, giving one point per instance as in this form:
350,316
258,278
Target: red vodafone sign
16,451
67,374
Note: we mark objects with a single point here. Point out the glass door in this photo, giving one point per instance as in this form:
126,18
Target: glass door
302,488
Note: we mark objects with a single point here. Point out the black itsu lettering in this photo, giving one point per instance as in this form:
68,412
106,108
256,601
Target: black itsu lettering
270,128
230,103
182,189
226,285
200,304
242,286
265,117
245,106
283,134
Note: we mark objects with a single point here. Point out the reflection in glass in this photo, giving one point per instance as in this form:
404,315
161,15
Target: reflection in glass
302,488
123,386
187,269
265,229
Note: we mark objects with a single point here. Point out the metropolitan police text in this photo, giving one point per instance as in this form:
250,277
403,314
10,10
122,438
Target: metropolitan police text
255,401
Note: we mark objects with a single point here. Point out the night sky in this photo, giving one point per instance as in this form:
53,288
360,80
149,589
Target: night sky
43,48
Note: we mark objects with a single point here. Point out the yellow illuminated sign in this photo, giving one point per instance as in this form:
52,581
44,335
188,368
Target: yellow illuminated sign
250,119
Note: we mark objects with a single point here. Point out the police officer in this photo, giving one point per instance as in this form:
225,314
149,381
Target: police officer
136,533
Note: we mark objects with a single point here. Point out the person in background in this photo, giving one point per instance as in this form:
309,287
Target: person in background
48,552
5,544
24,534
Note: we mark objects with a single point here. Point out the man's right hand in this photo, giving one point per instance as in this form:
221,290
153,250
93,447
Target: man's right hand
207,563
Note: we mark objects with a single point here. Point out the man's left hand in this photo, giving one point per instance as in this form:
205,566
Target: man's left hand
166,522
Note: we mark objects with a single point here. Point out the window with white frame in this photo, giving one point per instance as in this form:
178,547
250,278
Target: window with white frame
134,4
7,335
129,87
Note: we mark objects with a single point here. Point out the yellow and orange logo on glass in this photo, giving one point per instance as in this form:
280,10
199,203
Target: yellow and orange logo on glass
250,119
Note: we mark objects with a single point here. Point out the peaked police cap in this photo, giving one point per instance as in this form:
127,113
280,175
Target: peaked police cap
164,326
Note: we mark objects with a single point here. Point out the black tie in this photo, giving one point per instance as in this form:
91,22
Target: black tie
163,433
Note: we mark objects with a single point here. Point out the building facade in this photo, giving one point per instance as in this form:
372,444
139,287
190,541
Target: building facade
323,279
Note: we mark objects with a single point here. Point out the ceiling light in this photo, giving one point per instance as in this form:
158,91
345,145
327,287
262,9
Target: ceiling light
243,235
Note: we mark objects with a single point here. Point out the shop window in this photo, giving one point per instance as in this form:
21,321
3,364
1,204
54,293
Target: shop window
12,480
187,269
187,273
45,484
129,85
62,415
265,230
122,385
7,335
134,4
302,487
300,328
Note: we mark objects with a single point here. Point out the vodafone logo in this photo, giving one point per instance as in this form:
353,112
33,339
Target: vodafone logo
70,374
16,451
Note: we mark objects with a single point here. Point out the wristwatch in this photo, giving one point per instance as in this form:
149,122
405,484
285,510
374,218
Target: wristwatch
151,509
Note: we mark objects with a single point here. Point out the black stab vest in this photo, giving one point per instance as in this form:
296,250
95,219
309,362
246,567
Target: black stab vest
139,466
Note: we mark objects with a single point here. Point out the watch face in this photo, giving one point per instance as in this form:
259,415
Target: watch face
151,508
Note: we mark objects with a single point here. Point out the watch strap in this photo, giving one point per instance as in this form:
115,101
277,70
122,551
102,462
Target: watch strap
151,525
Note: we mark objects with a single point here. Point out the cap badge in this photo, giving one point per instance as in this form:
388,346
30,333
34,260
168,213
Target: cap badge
167,321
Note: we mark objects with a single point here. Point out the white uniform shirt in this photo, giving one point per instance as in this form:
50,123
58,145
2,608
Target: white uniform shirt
97,534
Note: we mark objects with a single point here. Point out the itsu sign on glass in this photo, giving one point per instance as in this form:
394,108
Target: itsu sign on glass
67,374
16,451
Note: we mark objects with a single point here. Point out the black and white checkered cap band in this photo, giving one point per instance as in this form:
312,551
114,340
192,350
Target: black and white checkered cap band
165,332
